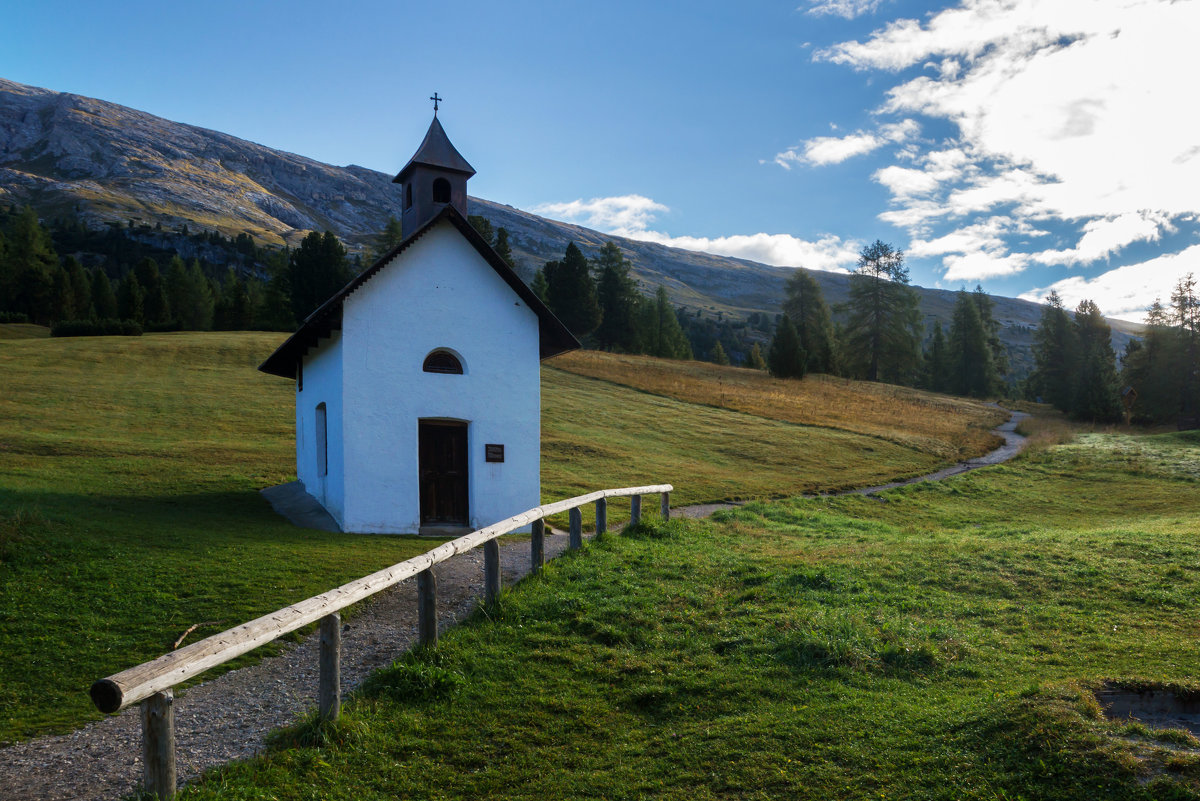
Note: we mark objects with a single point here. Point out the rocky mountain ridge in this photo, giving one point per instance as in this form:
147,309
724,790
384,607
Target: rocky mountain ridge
69,155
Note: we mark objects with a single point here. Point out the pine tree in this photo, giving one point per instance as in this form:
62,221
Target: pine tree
991,327
156,307
571,293
131,299
882,334
31,263
318,269
805,306
233,307
618,297
1185,307
189,295
81,289
937,361
62,300
660,331
786,359
719,356
755,360
1053,354
104,300
971,370
1095,376
539,285
483,227
391,235
503,248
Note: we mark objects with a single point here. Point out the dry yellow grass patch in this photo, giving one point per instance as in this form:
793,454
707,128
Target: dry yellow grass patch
951,428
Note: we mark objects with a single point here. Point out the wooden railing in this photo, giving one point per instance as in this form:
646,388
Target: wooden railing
151,683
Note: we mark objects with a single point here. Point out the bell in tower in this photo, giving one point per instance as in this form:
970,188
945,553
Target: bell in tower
435,177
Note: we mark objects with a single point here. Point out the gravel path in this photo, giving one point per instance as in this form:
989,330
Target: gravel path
1013,443
227,718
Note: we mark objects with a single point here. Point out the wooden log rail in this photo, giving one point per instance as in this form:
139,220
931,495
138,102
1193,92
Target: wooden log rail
151,682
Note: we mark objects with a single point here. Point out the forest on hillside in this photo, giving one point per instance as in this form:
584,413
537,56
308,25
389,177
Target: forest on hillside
135,278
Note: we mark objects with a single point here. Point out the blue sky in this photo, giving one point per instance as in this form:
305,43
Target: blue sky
1021,144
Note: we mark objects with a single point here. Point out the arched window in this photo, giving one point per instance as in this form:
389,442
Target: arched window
441,191
442,361
408,196
322,441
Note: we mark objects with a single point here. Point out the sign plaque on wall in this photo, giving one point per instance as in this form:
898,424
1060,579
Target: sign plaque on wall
494,453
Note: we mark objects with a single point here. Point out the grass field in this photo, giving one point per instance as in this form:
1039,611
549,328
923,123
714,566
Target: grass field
950,428
129,506
942,642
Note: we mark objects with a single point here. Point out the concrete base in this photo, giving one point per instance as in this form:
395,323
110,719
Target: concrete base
300,508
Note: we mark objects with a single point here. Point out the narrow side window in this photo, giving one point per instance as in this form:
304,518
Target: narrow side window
322,442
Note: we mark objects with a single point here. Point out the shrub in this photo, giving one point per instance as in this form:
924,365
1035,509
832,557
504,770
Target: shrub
96,328
13,317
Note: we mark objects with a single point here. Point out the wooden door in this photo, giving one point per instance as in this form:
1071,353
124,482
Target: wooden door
443,455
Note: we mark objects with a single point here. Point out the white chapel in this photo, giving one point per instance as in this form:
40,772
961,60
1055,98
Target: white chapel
418,401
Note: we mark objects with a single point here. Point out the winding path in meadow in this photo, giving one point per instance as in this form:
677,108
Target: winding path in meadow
1013,444
228,717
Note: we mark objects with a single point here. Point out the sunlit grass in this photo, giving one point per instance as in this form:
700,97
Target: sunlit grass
942,642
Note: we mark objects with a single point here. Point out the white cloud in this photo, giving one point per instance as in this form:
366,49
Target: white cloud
616,215
822,150
829,253
1125,292
981,265
1103,237
1068,113
631,215
847,9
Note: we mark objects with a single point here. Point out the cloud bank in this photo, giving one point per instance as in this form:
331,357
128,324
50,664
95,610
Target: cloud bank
1075,138
631,215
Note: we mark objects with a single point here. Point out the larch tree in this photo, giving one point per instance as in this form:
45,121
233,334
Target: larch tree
317,270
571,293
971,369
786,358
104,299
1095,374
883,325
1054,350
618,298
659,329
805,306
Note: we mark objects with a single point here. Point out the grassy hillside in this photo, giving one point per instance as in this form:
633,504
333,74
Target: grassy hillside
130,470
944,644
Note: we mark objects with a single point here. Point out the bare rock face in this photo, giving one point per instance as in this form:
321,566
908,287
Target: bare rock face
72,155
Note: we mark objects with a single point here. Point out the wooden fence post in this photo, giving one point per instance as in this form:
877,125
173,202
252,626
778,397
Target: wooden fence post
576,537
427,631
537,546
601,516
329,688
158,744
491,571
666,506
635,510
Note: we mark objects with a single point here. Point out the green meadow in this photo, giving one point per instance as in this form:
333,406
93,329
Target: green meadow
944,641
940,641
129,505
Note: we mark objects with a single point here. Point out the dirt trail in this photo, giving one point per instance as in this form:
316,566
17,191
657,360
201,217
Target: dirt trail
1013,443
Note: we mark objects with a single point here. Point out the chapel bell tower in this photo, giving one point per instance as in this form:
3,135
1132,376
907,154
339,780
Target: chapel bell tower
435,177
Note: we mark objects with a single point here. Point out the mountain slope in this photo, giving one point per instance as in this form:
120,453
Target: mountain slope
71,155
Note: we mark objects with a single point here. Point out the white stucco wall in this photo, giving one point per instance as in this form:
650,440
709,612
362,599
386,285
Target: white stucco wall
322,384
439,293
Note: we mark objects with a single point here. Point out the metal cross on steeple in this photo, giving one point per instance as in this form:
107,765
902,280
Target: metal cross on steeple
436,100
